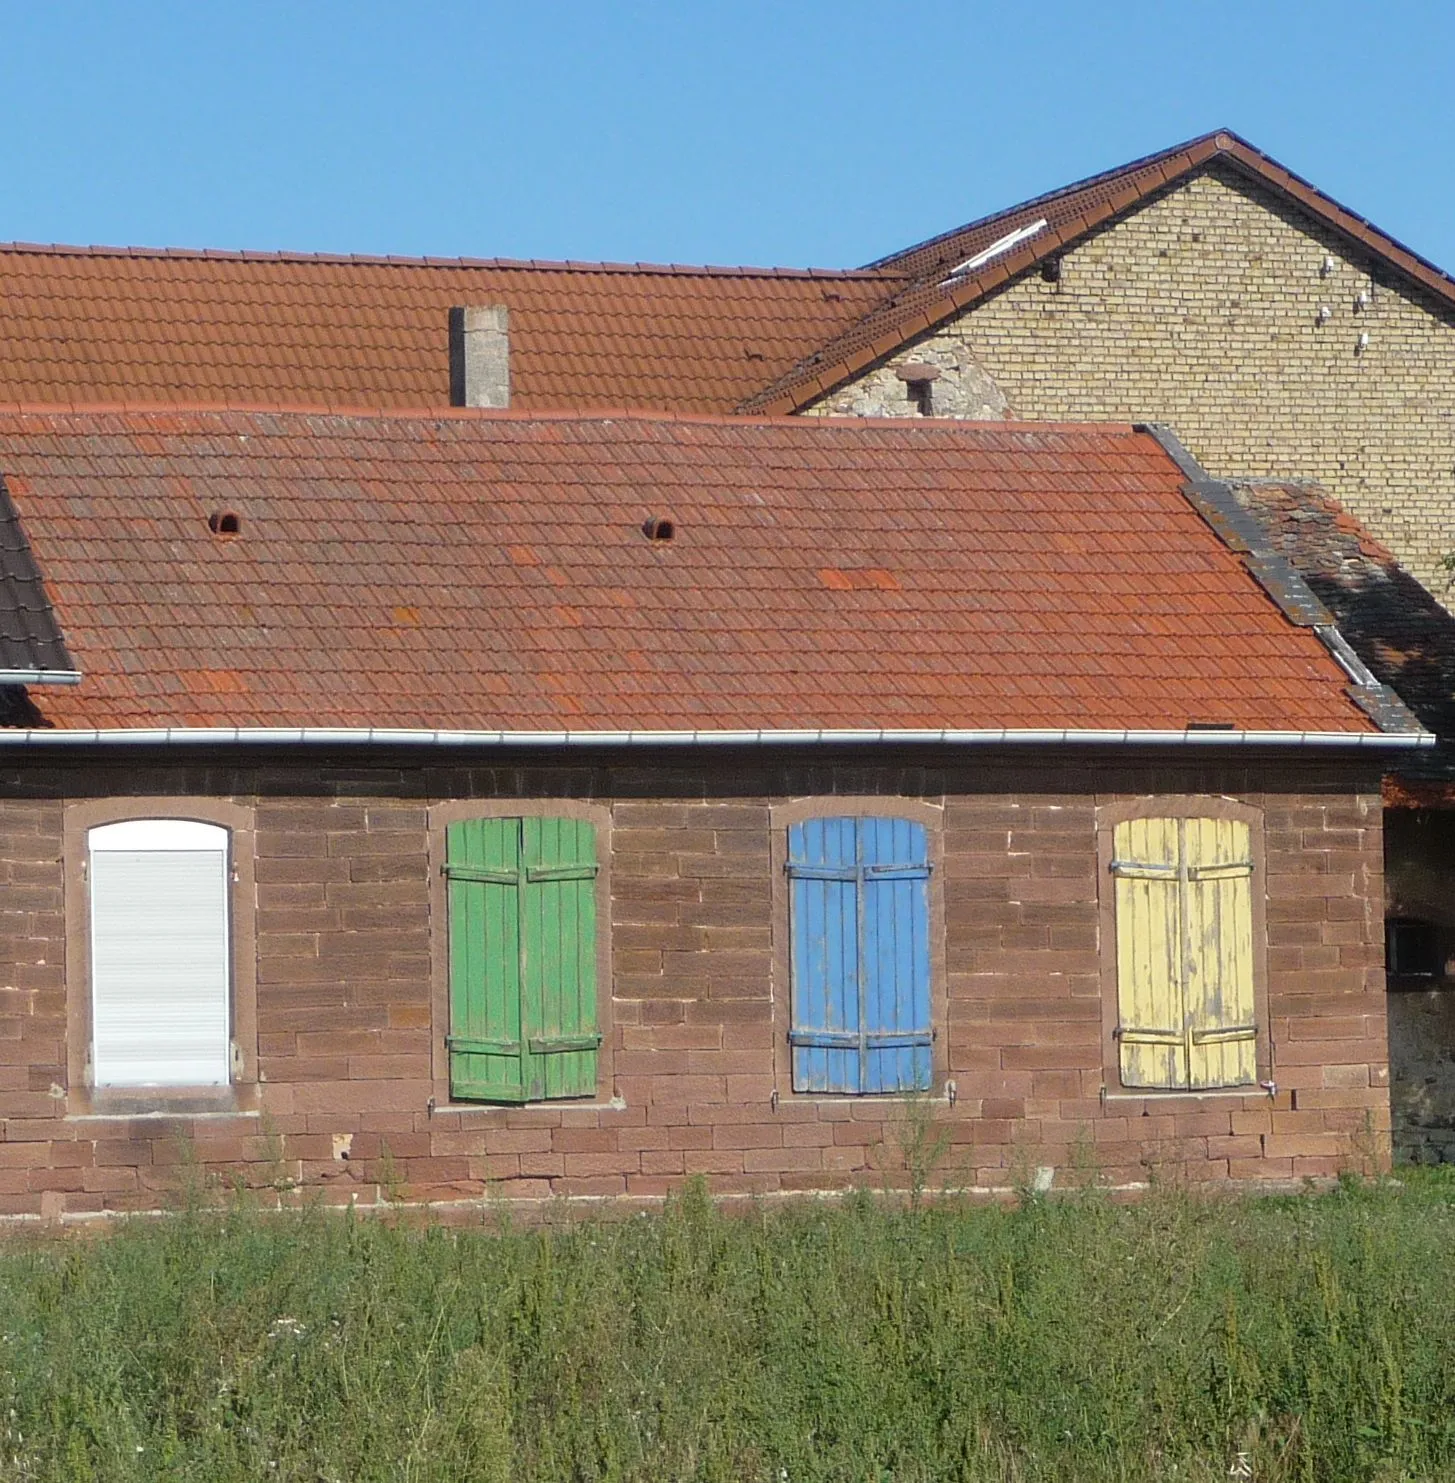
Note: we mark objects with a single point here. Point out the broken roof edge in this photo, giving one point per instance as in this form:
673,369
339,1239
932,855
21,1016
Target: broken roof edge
1241,533
44,737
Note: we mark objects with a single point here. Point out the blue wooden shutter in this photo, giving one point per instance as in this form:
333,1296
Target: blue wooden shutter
861,963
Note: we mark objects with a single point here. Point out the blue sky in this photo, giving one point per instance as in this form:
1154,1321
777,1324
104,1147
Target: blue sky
791,133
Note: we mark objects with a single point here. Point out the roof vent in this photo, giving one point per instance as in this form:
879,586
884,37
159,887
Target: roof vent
224,523
658,528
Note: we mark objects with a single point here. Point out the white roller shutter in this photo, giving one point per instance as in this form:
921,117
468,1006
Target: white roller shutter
159,954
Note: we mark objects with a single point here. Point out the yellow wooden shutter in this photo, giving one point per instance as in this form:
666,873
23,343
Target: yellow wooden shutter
1184,910
1222,1028
1151,1030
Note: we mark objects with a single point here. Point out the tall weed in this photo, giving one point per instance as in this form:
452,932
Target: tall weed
1063,1338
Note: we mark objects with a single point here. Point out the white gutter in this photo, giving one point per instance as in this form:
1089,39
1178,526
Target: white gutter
40,677
172,736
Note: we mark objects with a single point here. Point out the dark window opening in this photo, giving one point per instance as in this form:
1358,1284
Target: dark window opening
1411,948
922,397
658,528
224,523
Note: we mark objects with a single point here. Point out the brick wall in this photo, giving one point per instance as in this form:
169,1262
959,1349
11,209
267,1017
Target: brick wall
345,1019
1201,310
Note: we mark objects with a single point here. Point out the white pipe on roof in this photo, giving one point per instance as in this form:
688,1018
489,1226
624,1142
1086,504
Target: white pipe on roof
40,677
1000,245
384,736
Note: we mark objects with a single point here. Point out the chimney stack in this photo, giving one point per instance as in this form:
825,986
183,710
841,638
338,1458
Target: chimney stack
480,356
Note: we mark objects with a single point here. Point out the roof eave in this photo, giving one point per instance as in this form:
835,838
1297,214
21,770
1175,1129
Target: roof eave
170,736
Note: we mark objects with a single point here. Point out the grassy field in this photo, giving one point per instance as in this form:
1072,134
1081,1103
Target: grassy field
1066,1338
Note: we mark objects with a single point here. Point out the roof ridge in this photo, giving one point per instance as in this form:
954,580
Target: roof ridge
543,265
1052,195
954,425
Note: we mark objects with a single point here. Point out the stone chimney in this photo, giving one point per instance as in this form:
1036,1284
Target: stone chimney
480,356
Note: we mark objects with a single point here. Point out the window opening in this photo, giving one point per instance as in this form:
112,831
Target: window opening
1184,927
860,955
522,925
1411,948
160,957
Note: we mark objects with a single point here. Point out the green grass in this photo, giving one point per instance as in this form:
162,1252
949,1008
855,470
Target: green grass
1065,1338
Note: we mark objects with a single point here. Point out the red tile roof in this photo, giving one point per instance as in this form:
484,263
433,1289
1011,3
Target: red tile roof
930,294
490,571
97,325
1399,629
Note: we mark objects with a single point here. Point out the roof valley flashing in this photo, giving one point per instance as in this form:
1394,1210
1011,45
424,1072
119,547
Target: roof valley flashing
32,648
730,635
1215,501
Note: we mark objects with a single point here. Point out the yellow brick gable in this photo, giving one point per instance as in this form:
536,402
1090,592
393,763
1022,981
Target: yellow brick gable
1203,309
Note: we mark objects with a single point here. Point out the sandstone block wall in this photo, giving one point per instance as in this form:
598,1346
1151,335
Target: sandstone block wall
1202,310
347,1032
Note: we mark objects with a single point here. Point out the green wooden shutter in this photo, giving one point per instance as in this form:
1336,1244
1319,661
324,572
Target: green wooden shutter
522,909
558,957
487,1052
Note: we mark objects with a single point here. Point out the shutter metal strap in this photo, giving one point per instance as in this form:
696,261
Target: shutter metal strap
1142,1035
481,874
559,1045
1140,870
541,873
848,1040
471,1046
1225,1035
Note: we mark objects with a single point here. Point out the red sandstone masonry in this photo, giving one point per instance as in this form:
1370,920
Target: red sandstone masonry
346,1032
